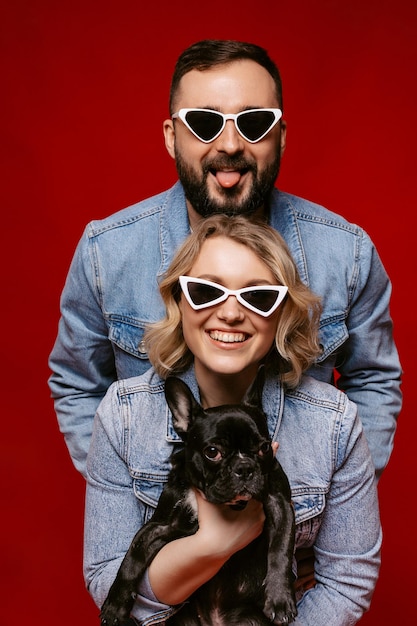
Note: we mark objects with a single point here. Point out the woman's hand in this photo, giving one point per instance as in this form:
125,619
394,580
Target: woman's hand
224,530
183,565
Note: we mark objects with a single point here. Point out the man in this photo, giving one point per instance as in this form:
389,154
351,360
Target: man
227,136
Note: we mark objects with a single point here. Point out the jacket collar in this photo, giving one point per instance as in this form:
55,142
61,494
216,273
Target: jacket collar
272,400
174,226
284,219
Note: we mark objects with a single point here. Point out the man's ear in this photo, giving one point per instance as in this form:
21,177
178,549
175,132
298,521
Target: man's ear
169,134
283,136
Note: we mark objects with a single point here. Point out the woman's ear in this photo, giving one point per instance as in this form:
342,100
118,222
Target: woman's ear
169,134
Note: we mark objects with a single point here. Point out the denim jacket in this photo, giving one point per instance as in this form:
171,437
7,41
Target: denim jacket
111,293
322,448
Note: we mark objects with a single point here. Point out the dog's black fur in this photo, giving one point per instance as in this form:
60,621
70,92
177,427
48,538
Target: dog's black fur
228,456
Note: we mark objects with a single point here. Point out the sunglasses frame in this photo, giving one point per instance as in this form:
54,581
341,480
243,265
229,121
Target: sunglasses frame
280,289
182,115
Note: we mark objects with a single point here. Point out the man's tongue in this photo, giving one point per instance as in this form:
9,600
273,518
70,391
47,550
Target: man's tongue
227,179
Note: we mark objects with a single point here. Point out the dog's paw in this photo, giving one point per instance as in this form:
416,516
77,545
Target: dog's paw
281,610
108,619
112,615
104,621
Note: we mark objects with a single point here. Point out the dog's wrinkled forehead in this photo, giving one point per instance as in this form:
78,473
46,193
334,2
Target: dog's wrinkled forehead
232,424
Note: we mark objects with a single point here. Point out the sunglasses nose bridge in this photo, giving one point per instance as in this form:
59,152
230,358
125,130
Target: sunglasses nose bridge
230,137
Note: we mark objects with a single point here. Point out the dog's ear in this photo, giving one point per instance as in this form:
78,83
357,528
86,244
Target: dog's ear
253,396
182,403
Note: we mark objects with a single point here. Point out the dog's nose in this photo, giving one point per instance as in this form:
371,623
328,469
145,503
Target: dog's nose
244,471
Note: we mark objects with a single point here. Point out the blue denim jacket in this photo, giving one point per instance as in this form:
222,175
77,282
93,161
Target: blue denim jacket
322,448
111,293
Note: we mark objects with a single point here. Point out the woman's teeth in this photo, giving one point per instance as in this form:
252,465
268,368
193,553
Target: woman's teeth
227,337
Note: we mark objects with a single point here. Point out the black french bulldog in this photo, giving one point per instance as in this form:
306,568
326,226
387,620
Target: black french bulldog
228,456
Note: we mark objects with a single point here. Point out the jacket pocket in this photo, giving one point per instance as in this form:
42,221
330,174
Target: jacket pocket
148,488
333,334
130,355
308,507
127,334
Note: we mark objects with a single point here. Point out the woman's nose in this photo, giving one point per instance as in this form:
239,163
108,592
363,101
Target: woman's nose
230,310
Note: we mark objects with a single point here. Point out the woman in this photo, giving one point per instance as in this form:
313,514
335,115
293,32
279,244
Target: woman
217,330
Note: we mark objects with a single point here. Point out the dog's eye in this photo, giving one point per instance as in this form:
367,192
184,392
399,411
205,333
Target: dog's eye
264,449
212,453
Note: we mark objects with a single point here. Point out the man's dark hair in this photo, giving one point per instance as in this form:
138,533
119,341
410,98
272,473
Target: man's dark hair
208,53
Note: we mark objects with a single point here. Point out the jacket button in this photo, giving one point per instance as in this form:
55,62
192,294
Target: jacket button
142,347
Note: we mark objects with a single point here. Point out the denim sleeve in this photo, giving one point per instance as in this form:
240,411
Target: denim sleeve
113,514
147,609
82,360
369,367
347,546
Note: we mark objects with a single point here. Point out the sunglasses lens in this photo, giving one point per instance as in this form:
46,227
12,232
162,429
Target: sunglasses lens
203,294
263,300
254,124
205,124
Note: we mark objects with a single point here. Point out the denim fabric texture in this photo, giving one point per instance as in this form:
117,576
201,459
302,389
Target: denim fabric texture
111,293
322,448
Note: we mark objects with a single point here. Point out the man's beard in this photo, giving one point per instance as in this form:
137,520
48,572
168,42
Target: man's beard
197,193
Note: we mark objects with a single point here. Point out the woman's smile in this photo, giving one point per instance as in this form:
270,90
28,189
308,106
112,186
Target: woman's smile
227,336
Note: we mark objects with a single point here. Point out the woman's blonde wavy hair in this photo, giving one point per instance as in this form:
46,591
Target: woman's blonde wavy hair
296,338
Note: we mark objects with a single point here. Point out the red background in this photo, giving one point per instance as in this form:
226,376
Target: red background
84,92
